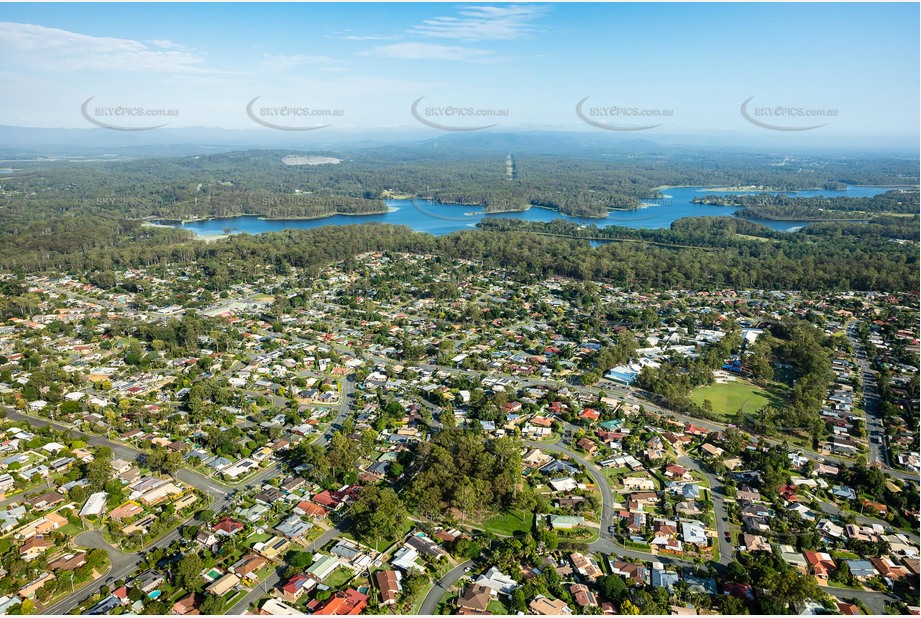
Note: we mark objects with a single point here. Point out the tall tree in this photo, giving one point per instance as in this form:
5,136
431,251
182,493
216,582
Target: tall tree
378,513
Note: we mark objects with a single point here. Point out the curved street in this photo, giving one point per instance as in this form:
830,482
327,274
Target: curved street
430,604
123,564
606,544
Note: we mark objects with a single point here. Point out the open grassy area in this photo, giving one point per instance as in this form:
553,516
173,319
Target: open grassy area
444,604
257,538
750,237
497,608
728,398
338,578
509,523
615,476
381,544
580,534
73,529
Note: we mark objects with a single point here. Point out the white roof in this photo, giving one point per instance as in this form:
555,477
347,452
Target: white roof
94,504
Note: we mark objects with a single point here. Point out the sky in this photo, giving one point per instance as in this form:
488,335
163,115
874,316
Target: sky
663,68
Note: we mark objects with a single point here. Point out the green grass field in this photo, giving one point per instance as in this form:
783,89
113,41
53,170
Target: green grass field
729,397
509,523
338,578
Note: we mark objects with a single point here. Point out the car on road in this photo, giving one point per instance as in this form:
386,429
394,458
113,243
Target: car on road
610,529
728,536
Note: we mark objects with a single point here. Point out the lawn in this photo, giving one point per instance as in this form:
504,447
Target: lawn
338,577
615,476
580,534
232,597
497,608
381,544
729,397
257,538
509,523
444,604
73,529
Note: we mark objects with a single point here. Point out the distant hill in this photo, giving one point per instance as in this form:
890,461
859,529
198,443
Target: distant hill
28,142
540,143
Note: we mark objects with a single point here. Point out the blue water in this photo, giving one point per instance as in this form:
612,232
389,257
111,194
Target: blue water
438,219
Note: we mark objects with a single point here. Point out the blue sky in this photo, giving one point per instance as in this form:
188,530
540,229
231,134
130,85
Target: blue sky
537,61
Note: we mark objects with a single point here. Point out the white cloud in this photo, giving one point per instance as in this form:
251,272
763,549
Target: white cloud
368,37
282,62
429,51
483,23
346,35
164,44
53,49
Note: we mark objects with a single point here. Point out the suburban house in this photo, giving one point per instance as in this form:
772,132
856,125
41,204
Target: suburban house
583,596
294,588
186,605
344,603
822,564
34,547
227,527
542,606
497,582
474,597
388,583
223,585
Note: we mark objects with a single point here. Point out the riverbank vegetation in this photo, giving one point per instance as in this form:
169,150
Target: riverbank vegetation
778,206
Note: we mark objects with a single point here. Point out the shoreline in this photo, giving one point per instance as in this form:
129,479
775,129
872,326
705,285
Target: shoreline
394,204
724,189
261,217
599,217
797,220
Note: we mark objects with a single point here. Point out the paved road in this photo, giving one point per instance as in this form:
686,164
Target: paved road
94,540
636,397
607,495
274,579
876,601
123,451
441,586
876,432
607,543
720,515
122,564
126,566
128,453
624,392
830,508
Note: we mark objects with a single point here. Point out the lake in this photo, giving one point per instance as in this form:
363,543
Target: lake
438,219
